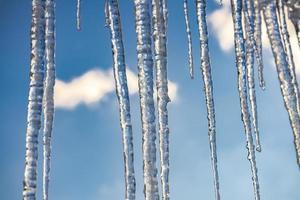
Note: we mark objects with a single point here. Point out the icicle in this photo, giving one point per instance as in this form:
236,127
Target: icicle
242,87
160,60
208,86
48,101
35,98
78,9
114,24
189,37
258,41
288,49
250,71
284,73
145,67
165,13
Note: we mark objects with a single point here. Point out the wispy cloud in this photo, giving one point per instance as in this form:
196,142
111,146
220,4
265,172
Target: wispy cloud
222,26
94,86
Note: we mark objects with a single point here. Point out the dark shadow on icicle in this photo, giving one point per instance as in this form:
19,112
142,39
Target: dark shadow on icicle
284,74
236,6
114,24
294,15
249,8
78,15
48,101
160,61
145,76
35,98
208,88
189,37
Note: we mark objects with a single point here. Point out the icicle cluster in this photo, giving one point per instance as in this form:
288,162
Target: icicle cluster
285,69
160,60
242,87
145,68
48,101
114,24
35,98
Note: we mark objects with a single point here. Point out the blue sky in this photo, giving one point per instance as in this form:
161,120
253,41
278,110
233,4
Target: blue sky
87,160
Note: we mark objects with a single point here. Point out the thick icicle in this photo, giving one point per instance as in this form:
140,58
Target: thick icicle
284,73
160,60
258,41
242,87
189,37
48,101
114,24
250,72
208,87
145,68
294,15
78,9
35,98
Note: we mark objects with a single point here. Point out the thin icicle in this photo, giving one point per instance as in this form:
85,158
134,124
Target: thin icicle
250,72
284,74
165,13
78,15
48,101
35,98
258,41
114,24
242,87
288,49
160,60
208,87
145,68
249,20
189,37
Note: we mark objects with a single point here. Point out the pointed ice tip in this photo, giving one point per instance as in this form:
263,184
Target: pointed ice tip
258,148
263,86
192,76
220,2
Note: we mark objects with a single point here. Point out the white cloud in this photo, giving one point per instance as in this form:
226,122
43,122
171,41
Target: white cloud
221,22
94,86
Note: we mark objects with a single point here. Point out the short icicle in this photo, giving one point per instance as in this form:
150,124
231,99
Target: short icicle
250,72
284,73
78,15
48,101
208,87
145,68
258,41
189,37
35,99
160,60
119,66
242,87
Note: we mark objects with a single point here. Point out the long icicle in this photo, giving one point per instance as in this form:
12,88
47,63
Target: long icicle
249,7
48,101
258,41
35,99
160,60
189,37
78,15
242,87
114,20
208,87
284,74
145,68
288,49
